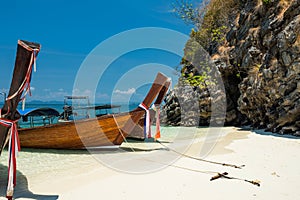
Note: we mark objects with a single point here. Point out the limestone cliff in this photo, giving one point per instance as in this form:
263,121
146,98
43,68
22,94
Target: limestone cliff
267,42
260,65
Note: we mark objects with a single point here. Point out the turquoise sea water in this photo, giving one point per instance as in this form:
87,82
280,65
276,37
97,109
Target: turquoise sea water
37,165
59,108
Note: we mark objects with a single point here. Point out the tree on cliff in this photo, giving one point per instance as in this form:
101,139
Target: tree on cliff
211,19
255,45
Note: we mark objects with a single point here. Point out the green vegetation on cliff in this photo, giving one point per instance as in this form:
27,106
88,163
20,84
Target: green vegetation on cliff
255,46
211,20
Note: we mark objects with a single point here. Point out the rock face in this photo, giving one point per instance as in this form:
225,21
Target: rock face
187,106
260,67
268,44
199,98
181,107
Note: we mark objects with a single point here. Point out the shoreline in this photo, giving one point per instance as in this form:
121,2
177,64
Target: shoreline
268,158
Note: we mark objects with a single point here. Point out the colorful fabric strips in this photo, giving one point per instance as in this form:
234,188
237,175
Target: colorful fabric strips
147,124
14,143
13,149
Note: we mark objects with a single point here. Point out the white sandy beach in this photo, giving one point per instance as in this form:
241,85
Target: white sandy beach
271,159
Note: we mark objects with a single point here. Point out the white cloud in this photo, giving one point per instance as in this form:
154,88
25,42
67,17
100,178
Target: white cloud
126,92
85,92
32,88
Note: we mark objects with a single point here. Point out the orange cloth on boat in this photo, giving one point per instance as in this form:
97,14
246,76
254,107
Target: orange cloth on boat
156,108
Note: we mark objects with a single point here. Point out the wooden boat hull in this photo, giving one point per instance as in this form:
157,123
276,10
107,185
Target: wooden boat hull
82,134
105,130
138,132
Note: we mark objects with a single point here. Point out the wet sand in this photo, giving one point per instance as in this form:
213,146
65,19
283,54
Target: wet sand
149,171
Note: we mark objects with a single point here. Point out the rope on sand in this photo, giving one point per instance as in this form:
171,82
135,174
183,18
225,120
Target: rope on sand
200,159
224,175
217,174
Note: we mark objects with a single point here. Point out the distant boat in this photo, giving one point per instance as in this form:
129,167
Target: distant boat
82,109
42,116
104,130
32,117
24,64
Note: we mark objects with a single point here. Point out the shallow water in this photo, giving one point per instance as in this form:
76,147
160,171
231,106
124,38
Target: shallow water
39,164
35,161
36,165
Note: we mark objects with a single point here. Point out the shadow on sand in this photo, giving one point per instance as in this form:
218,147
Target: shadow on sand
55,151
21,189
266,133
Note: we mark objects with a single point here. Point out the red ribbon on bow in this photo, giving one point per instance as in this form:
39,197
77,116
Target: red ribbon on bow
13,149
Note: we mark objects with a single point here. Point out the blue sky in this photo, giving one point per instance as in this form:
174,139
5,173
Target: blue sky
69,30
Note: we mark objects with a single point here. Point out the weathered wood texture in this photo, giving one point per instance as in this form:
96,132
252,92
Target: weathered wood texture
101,131
22,65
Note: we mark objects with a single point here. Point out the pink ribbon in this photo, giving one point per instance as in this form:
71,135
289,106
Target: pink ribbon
147,127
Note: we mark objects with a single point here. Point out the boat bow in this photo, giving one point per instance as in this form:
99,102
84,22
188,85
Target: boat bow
20,85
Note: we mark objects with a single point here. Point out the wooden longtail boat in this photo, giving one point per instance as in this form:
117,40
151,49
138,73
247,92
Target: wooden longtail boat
105,130
136,132
25,58
25,61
